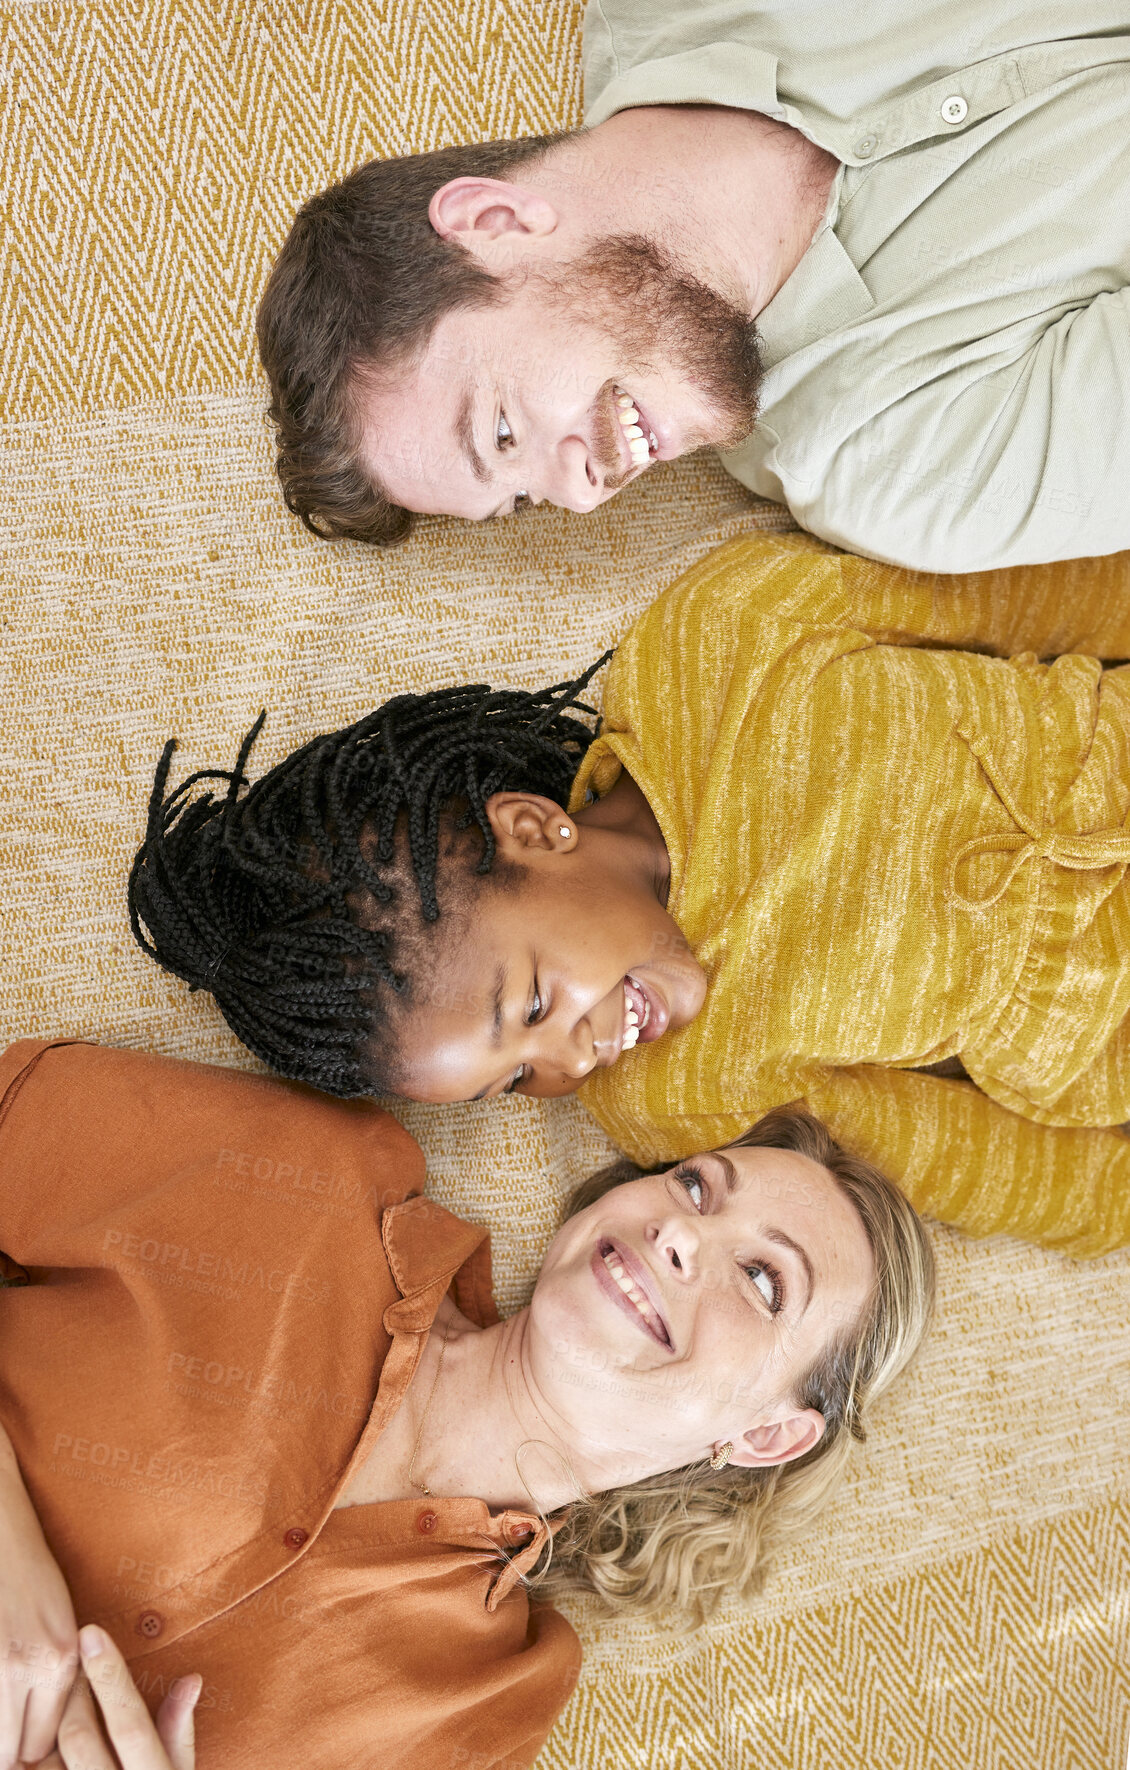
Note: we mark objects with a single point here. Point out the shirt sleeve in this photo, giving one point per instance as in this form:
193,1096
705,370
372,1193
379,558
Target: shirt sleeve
1026,461
966,1161
1080,605
957,1155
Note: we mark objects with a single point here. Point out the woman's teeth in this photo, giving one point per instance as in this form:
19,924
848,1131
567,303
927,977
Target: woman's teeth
642,447
632,1292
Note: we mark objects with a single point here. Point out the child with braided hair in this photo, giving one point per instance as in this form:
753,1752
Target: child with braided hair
822,849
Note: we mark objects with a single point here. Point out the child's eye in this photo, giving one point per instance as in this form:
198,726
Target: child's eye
693,1183
536,1009
515,1082
766,1281
503,434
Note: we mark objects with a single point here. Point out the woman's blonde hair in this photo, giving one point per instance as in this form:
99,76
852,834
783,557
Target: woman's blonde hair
681,1542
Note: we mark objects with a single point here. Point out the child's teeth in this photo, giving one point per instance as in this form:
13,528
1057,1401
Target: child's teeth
630,1037
633,1017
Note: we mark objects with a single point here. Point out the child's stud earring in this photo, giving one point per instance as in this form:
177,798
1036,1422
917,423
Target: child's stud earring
564,830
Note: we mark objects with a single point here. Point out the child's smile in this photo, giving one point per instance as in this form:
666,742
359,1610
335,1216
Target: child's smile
537,981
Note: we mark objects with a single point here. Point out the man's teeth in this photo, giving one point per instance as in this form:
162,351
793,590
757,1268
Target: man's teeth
630,1290
639,444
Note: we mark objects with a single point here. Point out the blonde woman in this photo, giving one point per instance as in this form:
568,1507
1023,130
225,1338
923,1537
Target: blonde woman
275,1434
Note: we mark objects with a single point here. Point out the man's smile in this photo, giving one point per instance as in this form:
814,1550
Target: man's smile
643,447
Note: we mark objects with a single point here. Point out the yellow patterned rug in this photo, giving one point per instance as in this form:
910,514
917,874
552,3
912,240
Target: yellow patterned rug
967,1603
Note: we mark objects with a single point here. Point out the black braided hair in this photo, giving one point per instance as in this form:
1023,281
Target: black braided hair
256,896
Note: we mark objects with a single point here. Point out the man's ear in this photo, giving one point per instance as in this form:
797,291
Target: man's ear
779,1441
475,211
527,822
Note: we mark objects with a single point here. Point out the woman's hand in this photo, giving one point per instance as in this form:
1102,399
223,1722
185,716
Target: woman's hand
38,1638
134,1742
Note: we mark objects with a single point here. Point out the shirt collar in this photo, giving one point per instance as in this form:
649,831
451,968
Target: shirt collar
429,1252
722,73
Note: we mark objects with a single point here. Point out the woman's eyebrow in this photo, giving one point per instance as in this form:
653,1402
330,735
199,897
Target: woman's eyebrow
730,1175
786,1241
729,1172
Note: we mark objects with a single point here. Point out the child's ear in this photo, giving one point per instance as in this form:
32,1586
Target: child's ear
523,822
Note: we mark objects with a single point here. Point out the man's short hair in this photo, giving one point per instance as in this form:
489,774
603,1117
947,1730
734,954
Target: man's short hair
360,283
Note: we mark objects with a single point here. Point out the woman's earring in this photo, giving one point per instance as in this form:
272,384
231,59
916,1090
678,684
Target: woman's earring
564,830
722,1455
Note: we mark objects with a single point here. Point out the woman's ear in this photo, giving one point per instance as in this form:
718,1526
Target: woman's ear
527,822
473,211
779,1441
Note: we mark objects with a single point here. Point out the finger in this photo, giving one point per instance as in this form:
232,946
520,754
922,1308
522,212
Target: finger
13,1697
81,1745
176,1721
46,1704
124,1714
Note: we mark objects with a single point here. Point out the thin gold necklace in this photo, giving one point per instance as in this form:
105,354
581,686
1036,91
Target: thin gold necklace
412,1482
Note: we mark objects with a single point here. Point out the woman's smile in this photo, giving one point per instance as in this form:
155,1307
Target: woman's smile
621,1277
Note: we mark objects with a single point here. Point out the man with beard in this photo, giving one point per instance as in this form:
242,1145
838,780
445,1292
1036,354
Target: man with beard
881,258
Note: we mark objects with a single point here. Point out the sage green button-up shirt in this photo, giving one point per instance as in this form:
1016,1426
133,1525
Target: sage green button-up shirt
948,367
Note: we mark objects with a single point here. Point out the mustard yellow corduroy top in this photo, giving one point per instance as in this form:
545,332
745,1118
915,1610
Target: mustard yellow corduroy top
886,854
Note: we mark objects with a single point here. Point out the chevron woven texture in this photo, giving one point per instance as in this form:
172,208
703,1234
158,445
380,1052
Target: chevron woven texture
967,1602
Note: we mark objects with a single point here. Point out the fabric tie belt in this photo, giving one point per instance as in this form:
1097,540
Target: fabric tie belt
1088,852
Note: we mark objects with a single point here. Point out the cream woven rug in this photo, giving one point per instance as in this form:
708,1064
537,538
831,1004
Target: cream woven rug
967,1603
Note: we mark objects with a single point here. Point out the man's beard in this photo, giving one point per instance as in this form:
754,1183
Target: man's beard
663,320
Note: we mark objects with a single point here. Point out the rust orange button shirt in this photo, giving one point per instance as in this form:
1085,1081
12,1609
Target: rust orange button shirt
231,1281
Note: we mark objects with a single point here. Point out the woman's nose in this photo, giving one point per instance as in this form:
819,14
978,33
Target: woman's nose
677,1245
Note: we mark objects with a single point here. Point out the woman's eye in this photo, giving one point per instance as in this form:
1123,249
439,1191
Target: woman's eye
516,1081
522,501
536,1009
767,1282
691,1181
503,434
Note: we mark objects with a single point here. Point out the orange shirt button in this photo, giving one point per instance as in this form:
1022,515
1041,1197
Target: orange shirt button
294,1539
150,1623
518,1531
426,1523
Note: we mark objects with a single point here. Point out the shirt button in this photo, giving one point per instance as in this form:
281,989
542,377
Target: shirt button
150,1623
518,1531
954,109
294,1539
426,1523
866,146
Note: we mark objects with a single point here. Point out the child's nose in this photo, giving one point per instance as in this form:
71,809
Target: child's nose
574,1053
